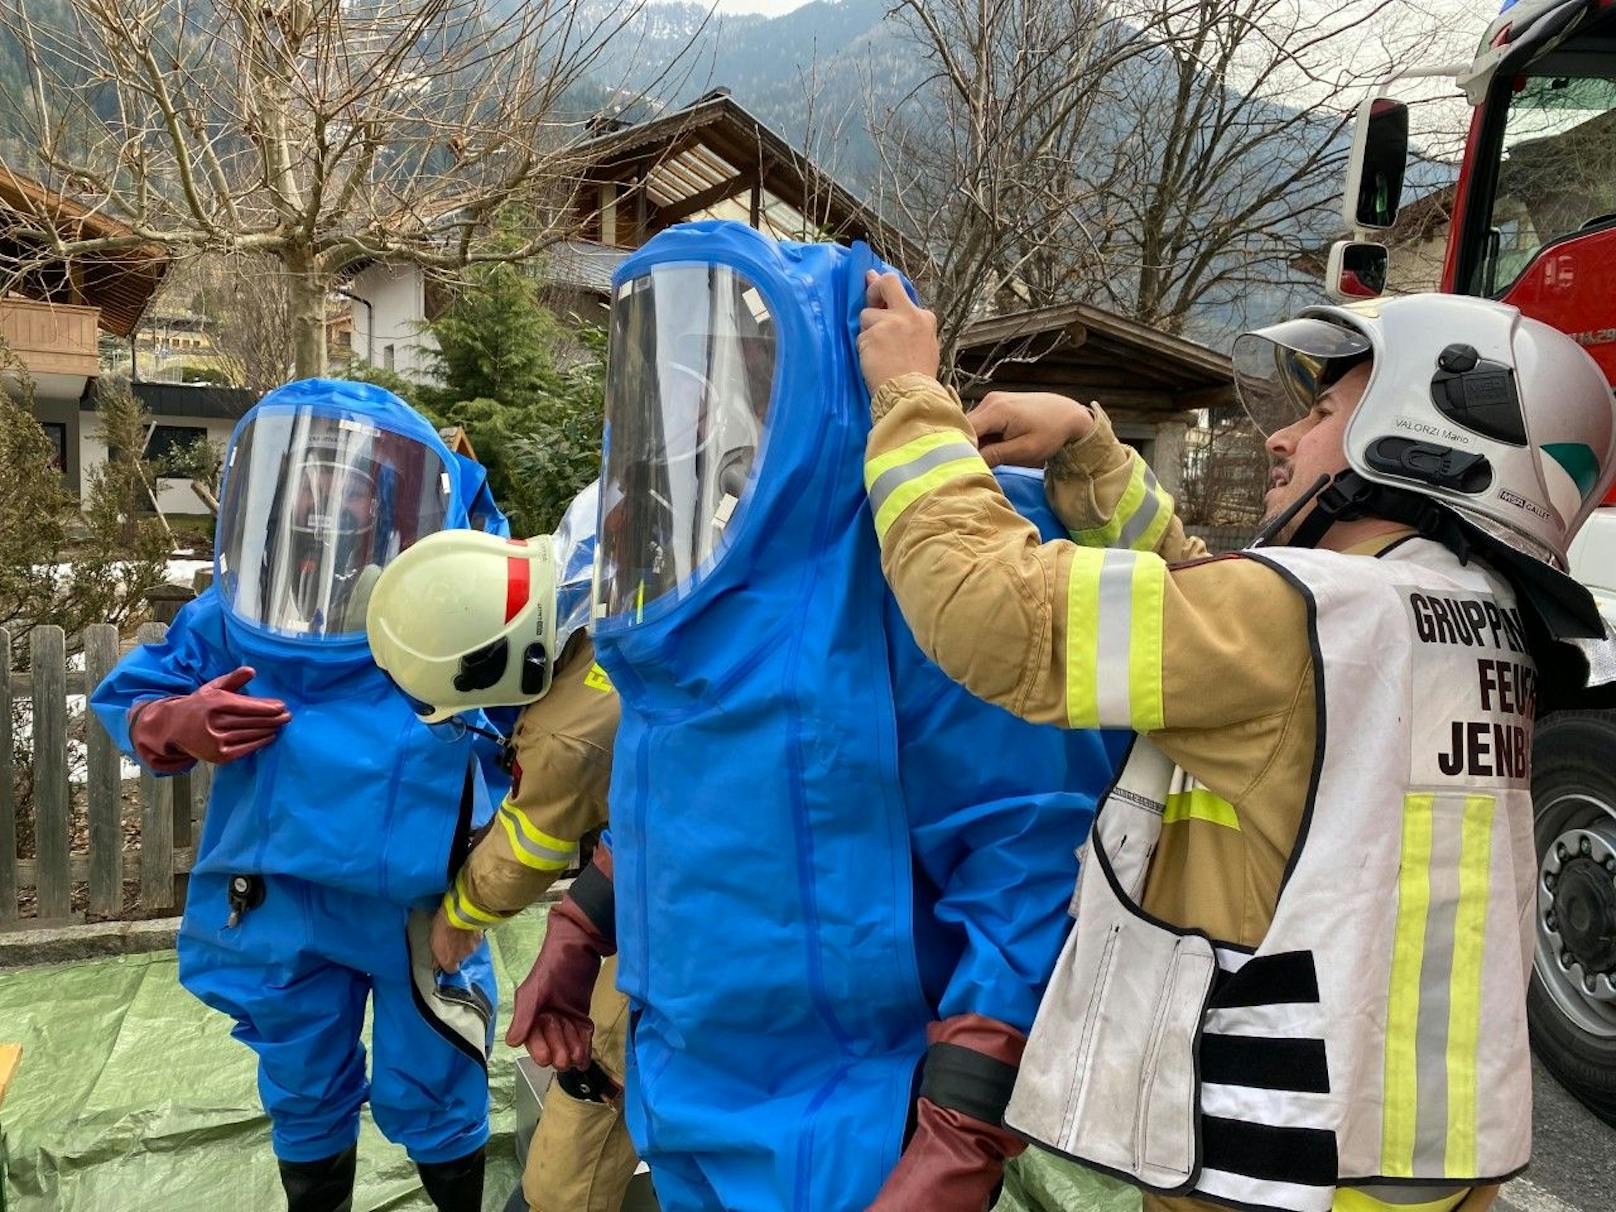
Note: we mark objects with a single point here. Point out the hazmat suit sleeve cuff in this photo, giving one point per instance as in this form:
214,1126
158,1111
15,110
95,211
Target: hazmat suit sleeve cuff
894,391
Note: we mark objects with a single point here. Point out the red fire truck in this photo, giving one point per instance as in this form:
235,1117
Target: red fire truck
1533,223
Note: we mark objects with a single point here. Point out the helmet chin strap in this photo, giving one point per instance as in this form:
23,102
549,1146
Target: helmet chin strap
1265,536
1348,497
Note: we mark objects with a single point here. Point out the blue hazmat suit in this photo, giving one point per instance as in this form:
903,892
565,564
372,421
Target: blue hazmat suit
820,843
357,813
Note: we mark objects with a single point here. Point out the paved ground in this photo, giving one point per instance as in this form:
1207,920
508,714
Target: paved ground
1573,1157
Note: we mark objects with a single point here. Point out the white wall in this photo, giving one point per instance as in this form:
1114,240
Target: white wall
397,297
173,496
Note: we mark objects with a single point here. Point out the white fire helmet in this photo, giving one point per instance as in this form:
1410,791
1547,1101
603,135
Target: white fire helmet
465,620
1502,418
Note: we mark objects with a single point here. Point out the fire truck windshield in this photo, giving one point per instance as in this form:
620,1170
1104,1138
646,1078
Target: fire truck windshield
1555,173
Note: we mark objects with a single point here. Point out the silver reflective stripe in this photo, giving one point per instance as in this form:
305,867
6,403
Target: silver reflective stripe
1115,628
1436,977
543,853
1144,515
1390,1193
893,478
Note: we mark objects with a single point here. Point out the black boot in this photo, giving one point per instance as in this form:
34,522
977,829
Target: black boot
320,1186
454,1186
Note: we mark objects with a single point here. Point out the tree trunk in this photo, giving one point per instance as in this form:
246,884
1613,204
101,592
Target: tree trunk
308,291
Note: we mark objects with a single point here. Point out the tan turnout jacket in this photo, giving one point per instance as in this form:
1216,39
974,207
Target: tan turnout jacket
1132,625
558,794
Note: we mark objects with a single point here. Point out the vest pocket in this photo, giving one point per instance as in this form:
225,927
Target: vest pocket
1167,1091
1136,1085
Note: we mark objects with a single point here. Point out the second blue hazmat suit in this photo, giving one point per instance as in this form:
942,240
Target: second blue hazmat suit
824,851
319,849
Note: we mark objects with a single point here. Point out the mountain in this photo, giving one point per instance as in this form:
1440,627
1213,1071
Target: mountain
820,73
816,74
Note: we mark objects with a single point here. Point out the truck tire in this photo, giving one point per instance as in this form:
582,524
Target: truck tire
1571,1006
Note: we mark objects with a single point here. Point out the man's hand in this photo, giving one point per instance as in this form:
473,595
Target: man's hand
450,944
896,337
1025,429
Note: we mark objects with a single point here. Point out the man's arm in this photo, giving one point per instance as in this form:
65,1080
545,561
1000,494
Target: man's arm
564,764
1054,632
1106,496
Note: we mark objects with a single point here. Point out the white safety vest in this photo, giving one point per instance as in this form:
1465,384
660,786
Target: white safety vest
1378,1033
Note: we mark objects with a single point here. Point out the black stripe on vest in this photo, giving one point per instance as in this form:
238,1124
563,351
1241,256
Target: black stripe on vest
1268,980
1265,1063
1260,1151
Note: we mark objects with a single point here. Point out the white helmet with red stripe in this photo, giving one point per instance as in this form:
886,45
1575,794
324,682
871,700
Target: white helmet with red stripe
465,620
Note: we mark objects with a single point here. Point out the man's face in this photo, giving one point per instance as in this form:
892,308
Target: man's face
1311,447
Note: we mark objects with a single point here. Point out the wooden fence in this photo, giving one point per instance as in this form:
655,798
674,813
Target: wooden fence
81,863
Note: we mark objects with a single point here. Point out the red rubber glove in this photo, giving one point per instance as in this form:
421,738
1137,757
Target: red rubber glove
211,724
955,1160
552,1005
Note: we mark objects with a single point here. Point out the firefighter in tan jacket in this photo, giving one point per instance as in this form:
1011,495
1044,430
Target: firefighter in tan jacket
433,627
1305,924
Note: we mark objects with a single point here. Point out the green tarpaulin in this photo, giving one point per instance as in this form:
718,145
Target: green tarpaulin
132,1095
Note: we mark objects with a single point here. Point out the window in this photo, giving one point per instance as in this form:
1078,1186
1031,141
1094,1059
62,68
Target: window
170,440
1555,174
435,299
387,358
56,431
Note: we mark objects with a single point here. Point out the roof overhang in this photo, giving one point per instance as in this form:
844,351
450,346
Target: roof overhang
119,279
1086,351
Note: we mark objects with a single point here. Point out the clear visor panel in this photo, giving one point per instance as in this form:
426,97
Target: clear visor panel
315,505
1279,371
688,384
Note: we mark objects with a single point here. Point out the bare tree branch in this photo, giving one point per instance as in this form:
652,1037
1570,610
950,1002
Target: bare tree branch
317,133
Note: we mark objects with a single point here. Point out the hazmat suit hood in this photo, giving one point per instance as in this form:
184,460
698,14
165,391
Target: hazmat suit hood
325,482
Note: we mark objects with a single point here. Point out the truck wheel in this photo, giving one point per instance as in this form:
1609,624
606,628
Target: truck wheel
1571,1006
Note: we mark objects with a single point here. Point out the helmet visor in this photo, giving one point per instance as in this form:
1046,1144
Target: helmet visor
1281,370
315,504
688,385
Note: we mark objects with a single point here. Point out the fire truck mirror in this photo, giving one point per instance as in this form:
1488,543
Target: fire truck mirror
1357,270
1379,156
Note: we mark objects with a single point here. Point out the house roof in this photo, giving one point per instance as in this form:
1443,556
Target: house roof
205,401
1090,351
583,265
120,282
714,150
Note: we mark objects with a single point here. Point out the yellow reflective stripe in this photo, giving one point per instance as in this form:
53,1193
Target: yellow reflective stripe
462,913
535,854
1145,644
1350,1199
548,840
899,478
1400,1097
1082,639
1140,517
1114,605
1158,525
1199,804
910,491
908,452
1127,505
1464,997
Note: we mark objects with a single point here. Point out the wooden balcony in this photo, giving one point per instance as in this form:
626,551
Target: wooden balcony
51,338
